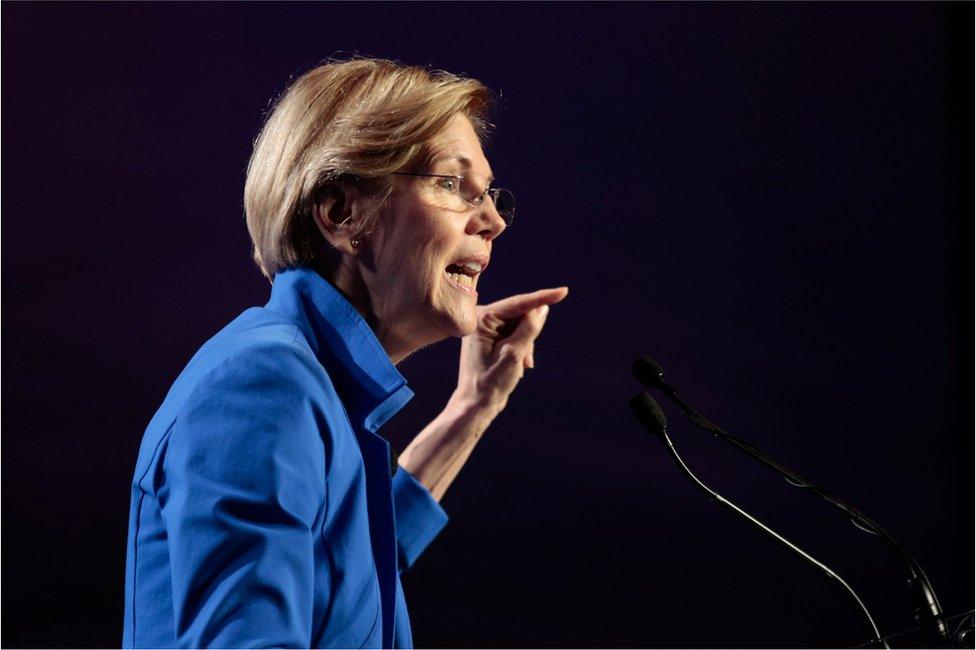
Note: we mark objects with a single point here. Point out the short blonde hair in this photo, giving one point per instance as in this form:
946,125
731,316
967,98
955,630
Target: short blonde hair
344,122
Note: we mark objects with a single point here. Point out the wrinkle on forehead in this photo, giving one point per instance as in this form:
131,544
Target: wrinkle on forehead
457,143
464,161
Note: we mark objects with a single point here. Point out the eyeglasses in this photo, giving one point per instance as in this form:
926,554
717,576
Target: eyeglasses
456,191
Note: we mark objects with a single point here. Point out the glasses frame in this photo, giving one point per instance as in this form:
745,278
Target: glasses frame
493,192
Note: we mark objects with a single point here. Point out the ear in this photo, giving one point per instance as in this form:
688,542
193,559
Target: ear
336,212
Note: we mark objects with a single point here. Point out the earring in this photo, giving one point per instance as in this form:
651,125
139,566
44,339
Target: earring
355,243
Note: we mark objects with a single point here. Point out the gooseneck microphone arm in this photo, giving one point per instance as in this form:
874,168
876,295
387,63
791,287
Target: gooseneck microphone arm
928,609
648,412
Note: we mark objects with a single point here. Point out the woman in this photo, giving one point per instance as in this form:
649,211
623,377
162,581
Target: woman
266,510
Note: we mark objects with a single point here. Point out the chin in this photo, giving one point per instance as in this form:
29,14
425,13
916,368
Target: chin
457,323
456,319
455,314
469,325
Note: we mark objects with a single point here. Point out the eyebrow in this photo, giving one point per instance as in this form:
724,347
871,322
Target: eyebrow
461,158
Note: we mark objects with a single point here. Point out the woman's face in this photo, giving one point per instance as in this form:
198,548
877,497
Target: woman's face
423,260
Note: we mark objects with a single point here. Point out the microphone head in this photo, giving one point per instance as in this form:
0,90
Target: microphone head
648,372
649,413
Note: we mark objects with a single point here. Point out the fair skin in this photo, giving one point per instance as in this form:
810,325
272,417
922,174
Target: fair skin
399,278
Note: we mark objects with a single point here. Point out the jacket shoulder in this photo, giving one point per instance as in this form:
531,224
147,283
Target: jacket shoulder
257,335
258,347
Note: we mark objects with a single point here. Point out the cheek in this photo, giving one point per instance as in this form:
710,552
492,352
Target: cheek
432,262
433,248
421,245
405,249
418,264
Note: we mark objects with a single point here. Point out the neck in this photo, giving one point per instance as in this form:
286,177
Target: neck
349,282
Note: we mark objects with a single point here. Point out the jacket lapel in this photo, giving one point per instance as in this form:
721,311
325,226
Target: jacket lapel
371,390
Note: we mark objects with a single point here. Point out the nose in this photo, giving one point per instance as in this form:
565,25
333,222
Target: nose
486,221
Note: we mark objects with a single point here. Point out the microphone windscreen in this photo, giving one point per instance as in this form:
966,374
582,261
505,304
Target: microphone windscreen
649,413
648,372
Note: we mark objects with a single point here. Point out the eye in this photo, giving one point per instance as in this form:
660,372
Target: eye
478,198
449,184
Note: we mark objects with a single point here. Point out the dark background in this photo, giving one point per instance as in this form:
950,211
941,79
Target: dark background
774,200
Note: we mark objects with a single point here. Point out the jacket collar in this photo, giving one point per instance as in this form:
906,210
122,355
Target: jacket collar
368,383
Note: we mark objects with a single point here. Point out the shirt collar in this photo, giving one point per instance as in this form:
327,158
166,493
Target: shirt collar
371,388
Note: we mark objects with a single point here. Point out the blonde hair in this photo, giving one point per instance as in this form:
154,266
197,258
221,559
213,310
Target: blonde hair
340,123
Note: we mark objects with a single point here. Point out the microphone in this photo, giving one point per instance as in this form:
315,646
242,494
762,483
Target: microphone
649,413
650,373
928,610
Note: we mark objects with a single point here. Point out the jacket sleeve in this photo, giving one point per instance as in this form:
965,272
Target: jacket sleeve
242,493
419,518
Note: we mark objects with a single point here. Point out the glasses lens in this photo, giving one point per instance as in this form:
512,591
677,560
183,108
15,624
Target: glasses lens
504,203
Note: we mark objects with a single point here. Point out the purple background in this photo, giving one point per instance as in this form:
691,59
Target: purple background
770,199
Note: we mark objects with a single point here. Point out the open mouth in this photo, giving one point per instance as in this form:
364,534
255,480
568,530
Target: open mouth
463,274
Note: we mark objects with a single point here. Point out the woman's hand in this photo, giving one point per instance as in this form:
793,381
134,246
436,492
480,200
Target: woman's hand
495,356
493,359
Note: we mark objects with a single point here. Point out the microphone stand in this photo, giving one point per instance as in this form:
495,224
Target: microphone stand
928,610
648,412
962,637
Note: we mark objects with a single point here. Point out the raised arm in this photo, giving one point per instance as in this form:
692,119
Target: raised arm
493,360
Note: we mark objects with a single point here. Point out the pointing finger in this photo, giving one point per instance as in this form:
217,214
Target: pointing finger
519,304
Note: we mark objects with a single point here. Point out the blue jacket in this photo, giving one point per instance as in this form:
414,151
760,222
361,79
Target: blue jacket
263,511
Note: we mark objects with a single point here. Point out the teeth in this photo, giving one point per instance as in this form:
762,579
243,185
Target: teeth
474,266
462,279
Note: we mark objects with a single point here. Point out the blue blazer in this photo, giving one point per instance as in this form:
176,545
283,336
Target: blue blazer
263,512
